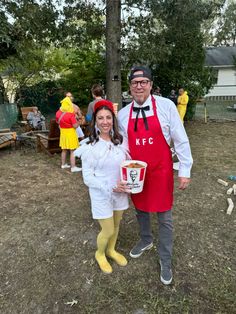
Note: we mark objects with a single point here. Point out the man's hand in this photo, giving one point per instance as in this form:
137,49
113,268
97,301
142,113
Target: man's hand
121,187
183,183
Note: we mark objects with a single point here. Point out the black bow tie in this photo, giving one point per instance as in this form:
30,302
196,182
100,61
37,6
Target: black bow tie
142,109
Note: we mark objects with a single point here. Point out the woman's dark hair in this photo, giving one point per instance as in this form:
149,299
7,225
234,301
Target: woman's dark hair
116,137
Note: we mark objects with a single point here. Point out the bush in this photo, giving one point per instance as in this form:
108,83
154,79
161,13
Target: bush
191,109
45,95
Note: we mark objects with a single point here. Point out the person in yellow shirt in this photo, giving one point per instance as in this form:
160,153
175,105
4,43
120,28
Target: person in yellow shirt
182,103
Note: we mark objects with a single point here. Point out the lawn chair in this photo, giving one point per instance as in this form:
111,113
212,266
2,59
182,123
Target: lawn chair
7,138
25,123
49,143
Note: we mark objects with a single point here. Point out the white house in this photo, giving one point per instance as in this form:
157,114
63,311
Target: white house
223,61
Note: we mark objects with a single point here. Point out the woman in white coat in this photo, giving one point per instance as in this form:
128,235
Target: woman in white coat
101,158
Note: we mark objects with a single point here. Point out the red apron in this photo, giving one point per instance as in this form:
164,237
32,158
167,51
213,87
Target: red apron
150,146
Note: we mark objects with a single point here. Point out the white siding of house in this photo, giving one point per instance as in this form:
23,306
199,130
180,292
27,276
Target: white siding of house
226,77
226,83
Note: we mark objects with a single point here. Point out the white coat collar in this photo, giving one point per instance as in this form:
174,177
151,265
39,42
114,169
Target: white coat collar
147,102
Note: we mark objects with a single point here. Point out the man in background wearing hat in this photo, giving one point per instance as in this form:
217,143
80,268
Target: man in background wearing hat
149,124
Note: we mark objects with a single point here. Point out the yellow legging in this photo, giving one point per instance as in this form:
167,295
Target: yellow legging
106,241
182,110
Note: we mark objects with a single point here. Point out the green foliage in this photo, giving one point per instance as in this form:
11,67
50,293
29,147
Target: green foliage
45,95
87,68
26,22
83,22
226,31
27,68
171,42
26,26
76,71
8,38
67,48
65,45
197,89
34,20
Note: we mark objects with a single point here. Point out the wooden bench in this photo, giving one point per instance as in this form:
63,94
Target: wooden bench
7,137
29,139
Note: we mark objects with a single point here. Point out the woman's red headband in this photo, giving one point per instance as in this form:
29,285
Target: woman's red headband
104,103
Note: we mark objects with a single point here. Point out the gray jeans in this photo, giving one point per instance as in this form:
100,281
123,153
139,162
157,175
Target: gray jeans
165,233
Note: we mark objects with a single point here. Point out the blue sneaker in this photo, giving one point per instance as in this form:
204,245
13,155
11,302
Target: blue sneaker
166,274
139,248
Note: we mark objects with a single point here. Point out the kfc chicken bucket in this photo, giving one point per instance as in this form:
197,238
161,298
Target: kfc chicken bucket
133,172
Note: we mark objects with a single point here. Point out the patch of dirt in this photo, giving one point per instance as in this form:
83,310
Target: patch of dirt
48,239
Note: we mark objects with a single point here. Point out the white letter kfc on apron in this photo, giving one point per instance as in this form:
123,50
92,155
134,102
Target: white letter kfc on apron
144,141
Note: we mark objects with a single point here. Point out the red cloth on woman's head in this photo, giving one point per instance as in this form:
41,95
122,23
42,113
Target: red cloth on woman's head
104,103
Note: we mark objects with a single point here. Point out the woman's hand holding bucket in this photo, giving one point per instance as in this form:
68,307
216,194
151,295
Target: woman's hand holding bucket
121,187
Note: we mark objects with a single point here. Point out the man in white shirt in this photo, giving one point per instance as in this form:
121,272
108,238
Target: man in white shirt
149,124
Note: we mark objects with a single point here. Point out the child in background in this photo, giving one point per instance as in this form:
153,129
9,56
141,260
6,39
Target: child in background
78,115
66,119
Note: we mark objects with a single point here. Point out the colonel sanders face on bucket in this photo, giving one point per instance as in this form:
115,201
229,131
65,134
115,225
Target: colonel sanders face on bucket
133,175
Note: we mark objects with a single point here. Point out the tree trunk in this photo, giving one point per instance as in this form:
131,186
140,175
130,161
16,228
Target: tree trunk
3,95
113,63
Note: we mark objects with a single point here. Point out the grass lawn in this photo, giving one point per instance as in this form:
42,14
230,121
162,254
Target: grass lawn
48,239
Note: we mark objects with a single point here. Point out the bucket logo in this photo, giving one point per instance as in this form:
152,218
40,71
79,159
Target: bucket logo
133,175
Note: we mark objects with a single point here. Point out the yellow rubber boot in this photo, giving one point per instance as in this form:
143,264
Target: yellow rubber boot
111,252
107,229
103,263
117,257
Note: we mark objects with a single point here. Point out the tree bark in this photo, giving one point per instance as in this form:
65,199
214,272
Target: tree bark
113,62
3,95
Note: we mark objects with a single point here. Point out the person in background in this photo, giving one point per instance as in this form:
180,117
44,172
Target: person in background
97,93
157,91
66,119
36,119
149,124
182,103
173,96
79,116
101,157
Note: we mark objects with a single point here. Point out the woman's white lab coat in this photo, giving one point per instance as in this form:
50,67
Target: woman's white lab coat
101,172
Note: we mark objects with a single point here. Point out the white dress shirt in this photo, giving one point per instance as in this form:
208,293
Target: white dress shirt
171,125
